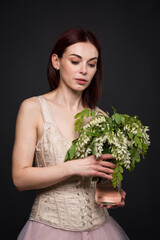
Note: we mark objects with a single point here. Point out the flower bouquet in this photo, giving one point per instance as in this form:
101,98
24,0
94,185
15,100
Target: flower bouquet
120,134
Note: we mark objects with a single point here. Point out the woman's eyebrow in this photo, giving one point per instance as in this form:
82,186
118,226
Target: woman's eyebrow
81,57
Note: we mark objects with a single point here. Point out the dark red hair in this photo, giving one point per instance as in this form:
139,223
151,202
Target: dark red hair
91,94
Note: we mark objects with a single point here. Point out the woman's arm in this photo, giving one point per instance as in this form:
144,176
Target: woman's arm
24,175
27,177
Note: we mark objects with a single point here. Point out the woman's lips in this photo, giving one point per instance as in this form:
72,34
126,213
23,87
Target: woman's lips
81,81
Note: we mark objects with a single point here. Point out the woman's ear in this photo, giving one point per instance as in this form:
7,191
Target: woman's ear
55,61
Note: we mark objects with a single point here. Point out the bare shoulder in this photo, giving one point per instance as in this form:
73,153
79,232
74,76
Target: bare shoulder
29,109
30,105
99,109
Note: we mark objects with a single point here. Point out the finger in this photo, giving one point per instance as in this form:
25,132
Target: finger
111,206
123,194
103,175
104,169
107,156
107,164
120,204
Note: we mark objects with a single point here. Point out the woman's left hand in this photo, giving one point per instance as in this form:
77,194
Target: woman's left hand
120,204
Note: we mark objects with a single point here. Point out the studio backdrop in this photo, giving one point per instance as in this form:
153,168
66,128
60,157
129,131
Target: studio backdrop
128,32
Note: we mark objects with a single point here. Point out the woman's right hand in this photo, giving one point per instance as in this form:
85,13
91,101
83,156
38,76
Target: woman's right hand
90,167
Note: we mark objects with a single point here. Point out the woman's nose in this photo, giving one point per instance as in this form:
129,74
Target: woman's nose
83,69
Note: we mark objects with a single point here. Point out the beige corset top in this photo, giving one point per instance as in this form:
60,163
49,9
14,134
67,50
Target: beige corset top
68,205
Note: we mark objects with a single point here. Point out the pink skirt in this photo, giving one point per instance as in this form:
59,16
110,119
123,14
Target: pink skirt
33,230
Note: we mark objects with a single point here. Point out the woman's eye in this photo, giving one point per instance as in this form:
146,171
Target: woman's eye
92,65
74,62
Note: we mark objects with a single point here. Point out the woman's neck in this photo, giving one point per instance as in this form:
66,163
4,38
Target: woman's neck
68,98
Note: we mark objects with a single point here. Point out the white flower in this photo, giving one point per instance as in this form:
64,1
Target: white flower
118,140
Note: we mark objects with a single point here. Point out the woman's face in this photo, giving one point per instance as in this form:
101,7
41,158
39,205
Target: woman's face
78,65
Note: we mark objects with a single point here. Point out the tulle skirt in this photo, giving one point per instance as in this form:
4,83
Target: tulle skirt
33,230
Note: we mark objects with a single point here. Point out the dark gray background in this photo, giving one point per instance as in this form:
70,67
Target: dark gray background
129,35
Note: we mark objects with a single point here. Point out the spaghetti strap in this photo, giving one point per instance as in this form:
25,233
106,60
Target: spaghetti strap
97,108
45,110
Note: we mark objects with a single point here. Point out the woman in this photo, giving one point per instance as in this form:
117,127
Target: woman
64,207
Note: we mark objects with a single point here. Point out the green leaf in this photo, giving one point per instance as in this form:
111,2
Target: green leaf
72,151
144,148
123,120
139,134
85,112
93,113
114,183
140,145
114,109
117,117
120,176
121,169
115,170
120,162
67,156
74,141
106,129
132,167
136,139
93,151
81,119
130,135
116,177
76,128
76,122
136,157
126,116
77,115
91,133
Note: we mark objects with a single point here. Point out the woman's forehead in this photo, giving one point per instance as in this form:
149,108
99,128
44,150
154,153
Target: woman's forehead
83,49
